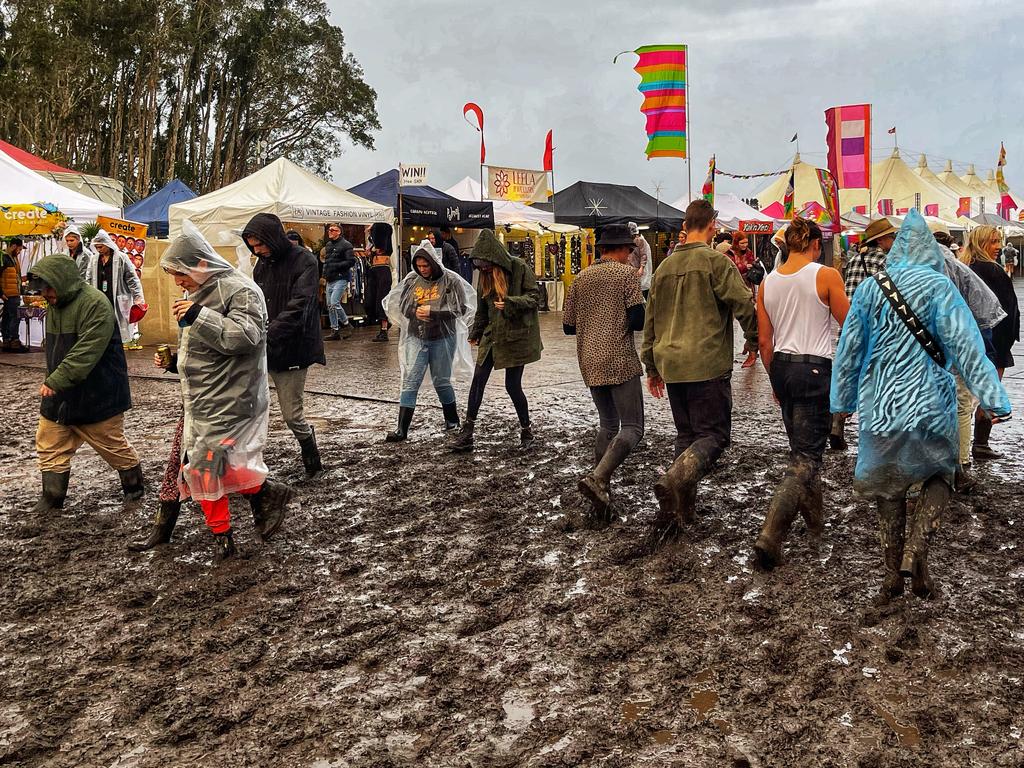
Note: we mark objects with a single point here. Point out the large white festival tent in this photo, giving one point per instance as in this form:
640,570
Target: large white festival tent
892,179
731,210
23,186
282,188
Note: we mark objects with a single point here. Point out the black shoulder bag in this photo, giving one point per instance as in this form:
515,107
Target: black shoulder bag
906,314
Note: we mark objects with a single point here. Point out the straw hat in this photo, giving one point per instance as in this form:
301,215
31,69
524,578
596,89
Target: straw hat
878,228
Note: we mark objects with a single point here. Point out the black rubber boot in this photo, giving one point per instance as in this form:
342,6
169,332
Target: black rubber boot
981,450
463,441
311,455
451,416
163,526
55,490
132,483
402,431
269,506
382,335
965,481
526,438
334,335
223,546
782,510
676,491
345,331
837,434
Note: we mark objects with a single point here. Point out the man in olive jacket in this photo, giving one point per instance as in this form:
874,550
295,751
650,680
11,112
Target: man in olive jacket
688,347
288,276
85,393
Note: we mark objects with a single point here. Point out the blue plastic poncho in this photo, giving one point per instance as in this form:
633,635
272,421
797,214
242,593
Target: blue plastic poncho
906,402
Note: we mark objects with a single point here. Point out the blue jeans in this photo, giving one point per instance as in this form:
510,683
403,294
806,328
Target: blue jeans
417,355
336,312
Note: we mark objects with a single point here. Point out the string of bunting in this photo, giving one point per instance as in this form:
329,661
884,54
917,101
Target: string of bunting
720,172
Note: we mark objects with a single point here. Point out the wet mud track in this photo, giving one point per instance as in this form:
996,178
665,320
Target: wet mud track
426,609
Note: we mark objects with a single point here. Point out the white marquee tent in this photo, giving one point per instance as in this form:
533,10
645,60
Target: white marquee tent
282,188
731,210
19,185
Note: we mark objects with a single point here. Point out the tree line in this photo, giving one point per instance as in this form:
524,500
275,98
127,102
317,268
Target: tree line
206,91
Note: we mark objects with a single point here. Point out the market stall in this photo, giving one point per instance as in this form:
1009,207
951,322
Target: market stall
102,188
153,211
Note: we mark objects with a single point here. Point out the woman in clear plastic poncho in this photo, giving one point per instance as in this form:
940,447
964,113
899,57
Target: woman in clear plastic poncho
222,364
123,289
433,308
906,401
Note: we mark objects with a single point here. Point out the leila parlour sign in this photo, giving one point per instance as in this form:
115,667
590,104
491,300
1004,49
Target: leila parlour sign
516,184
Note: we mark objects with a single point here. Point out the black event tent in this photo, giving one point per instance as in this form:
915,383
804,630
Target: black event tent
593,205
425,205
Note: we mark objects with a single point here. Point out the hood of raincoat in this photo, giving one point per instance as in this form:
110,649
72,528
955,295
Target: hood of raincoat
72,229
267,228
489,248
61,274
915,246
427,251
103,238
191,254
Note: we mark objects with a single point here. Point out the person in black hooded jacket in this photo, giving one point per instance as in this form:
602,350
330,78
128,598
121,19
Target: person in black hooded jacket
449,256
339,259
287,275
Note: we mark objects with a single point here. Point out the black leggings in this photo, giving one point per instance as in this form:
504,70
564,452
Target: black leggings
513,385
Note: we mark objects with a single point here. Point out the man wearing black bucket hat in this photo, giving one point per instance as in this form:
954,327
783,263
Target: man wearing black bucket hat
603,309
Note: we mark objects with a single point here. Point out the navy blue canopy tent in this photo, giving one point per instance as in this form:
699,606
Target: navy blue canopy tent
426,206
152,210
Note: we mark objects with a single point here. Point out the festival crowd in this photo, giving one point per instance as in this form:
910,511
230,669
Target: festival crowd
924,337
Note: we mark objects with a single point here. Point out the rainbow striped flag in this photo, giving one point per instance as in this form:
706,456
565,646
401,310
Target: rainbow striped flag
662,70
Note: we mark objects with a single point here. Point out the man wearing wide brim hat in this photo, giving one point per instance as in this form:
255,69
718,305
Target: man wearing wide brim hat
878,239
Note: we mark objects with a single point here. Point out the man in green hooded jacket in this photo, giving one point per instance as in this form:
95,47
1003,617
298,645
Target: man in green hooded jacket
85,393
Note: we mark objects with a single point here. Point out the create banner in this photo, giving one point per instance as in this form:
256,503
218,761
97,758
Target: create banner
516,184
849,145
29,219
412,175
122,227
662,70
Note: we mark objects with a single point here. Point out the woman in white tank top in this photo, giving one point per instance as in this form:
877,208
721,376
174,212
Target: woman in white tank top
795,308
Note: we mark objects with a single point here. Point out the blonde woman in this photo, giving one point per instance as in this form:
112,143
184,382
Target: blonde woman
980,254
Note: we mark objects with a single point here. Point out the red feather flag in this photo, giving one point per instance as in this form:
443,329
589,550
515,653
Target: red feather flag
475,109
549,153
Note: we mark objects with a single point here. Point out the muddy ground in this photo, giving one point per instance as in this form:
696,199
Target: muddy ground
427,609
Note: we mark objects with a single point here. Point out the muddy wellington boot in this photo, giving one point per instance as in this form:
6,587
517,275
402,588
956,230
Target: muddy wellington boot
223,546
597,491
382,335
163,526
463,442
311,454
402,431
334,335
782,510
837,435
132,483
892,523
526,438
451,416
55,491
676,491
925,522
981,450
964,481
269,506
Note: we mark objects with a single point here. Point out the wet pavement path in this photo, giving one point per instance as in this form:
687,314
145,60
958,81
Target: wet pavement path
427,609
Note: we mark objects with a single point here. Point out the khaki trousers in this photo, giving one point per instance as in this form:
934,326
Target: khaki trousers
965,405
56,444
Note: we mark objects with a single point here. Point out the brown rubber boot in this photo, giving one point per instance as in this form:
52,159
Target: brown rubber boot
676,491
811,503
162,528
981,449
928,512
598,492
892,523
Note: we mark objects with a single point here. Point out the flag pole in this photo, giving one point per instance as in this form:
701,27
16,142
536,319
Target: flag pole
689,148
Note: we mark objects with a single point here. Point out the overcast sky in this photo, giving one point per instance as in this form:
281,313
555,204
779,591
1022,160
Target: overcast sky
949,75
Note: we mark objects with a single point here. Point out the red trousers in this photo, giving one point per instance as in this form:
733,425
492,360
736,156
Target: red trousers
218,512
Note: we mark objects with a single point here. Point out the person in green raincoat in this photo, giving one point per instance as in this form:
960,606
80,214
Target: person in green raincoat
506,332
